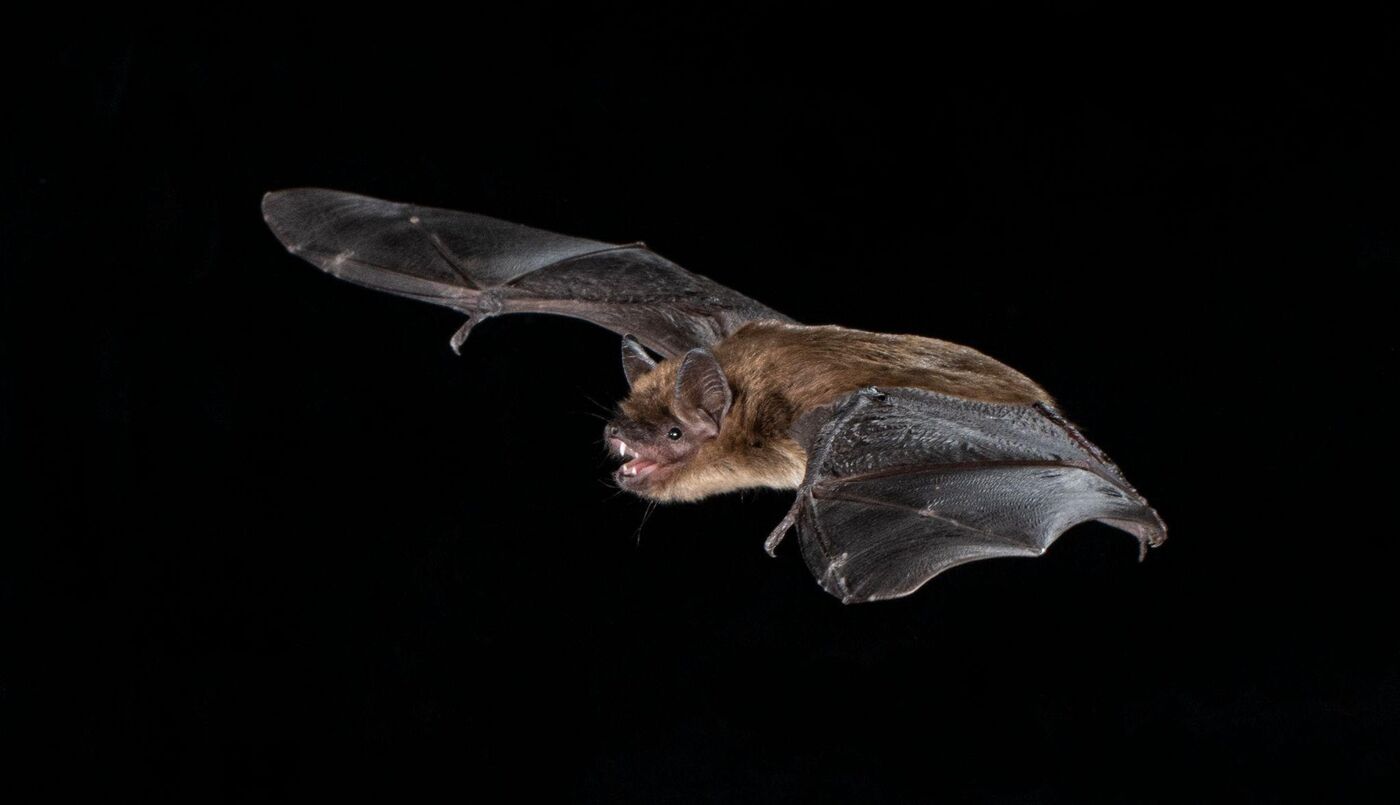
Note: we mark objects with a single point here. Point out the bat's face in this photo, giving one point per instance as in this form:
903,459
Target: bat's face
652,449
664,427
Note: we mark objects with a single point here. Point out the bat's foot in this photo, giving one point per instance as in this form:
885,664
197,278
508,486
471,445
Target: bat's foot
1150,533
775,537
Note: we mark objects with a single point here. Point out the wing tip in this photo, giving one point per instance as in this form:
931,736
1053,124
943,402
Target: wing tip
268,199
273,197
282,208
274,203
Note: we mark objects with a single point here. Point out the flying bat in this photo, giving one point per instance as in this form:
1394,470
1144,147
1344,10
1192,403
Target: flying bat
909,455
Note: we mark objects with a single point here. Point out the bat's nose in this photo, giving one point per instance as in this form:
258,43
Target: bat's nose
613,431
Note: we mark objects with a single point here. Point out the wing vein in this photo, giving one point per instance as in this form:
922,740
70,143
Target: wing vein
451,259
905,469
837,494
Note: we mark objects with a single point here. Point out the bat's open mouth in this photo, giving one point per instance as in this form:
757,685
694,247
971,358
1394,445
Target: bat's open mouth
636,469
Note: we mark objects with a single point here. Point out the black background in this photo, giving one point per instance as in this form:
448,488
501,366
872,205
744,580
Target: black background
269,539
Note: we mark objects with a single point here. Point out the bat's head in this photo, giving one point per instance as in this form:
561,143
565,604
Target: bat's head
669,423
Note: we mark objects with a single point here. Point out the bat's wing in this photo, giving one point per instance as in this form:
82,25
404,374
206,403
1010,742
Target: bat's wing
487,267
903,484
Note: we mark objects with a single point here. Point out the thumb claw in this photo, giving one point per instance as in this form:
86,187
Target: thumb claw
459,337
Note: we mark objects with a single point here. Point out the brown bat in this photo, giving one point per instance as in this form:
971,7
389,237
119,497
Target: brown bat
909,455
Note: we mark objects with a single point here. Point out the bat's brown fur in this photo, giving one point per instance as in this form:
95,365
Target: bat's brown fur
778,371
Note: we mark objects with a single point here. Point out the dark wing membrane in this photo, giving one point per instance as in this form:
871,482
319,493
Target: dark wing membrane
903,484
486,267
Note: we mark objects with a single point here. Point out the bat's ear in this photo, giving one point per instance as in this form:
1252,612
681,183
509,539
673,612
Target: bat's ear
702,392
635,360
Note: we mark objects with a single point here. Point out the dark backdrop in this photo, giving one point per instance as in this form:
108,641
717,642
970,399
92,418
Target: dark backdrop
267,538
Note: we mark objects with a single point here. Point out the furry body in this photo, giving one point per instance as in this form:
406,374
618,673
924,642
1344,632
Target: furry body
776,372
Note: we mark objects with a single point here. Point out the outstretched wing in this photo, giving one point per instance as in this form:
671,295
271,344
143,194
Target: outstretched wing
486,267
903,484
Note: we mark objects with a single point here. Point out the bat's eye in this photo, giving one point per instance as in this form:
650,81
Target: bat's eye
673,434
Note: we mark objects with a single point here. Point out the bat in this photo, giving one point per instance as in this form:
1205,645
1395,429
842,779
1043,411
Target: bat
909,455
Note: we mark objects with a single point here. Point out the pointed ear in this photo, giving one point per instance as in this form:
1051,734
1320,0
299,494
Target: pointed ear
702,391
635,360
